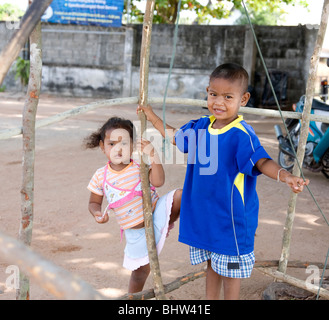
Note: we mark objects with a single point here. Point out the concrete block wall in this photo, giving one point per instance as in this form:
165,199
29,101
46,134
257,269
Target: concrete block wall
70,45
80,61
201,48
286,49
104,62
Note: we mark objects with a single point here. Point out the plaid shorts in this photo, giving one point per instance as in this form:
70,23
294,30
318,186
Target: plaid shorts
227,266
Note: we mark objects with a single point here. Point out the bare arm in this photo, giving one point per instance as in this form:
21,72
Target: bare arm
158,123
156,175
271,169
95,208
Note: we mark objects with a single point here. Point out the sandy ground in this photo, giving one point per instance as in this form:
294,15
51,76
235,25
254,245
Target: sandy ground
65,233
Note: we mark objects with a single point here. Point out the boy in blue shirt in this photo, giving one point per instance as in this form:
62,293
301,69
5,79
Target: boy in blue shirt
219,205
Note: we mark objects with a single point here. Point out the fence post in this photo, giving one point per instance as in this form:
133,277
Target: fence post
128,59
147,206
303,136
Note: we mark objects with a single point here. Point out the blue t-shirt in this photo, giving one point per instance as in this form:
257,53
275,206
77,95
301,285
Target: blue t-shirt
219,208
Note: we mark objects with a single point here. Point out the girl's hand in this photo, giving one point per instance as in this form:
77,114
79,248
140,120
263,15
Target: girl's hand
296,183
100,218
146,147
156,173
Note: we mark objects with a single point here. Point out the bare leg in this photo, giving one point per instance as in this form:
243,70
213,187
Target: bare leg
175,209
213,283
138,278
231,288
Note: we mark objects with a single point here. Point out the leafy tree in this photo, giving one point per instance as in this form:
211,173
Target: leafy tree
166,10
261,17
266,15
10,12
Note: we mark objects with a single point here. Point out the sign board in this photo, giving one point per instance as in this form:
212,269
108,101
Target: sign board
106,13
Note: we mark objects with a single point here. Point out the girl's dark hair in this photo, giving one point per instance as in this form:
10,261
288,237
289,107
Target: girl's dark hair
93,140
231,71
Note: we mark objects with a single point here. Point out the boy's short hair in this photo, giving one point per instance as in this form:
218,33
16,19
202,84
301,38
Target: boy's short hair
231,71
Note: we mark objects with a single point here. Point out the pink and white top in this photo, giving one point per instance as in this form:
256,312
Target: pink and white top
123,193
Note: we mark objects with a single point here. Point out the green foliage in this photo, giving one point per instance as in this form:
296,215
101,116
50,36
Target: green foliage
10,12
261,17
263,11
268,14
165,11
2,88
22,70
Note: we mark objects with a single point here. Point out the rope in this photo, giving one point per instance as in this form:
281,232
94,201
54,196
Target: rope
279,108
324,269
166,139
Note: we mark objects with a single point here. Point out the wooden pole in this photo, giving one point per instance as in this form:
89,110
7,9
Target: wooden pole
193,103
295,282
287,232
291,264
63,284
28,23
56,280
29,116
147,204
174,285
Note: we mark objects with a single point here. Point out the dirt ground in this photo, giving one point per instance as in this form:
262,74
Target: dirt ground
65,233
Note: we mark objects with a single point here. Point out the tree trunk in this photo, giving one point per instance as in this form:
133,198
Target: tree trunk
147,204
303,135
29,115
16,43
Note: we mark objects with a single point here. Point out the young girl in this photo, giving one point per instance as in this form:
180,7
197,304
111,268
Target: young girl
119,181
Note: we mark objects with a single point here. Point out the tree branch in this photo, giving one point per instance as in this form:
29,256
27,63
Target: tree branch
28,23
